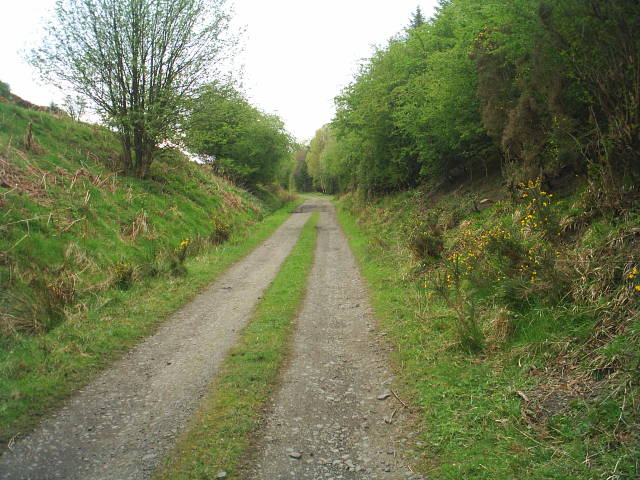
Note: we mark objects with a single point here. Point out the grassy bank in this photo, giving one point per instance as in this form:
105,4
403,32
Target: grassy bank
519,346
91,261
220,433
39,372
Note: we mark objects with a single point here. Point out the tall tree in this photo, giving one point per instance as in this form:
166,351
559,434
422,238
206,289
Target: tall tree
137,61
417,19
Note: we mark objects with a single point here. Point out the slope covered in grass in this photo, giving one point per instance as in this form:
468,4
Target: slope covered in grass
517,327
91,260
71,224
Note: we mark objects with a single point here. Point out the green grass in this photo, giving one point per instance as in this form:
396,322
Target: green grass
38,372
91,260
71,226
469,410
220,433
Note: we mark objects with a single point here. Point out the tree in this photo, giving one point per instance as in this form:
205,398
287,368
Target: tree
599,40
417,19
302,181
243,142
137,61
75,106
5,90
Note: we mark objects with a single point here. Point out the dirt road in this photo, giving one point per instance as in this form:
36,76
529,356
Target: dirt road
121,425
334,416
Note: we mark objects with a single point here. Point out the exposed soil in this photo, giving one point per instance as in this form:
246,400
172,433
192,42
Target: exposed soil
121,425
335,416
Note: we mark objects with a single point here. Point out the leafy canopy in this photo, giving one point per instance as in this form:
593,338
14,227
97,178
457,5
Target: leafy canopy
241,141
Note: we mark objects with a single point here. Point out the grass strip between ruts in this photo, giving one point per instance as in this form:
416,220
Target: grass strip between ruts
221,431
48,368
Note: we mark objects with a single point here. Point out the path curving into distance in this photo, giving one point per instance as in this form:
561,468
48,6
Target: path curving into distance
334,416
123,423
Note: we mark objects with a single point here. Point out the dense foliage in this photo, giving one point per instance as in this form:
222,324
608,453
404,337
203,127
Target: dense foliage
239,140
300,177
536,88
5,90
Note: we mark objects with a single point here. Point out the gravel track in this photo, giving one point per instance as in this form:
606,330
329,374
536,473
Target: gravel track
120,426
334,416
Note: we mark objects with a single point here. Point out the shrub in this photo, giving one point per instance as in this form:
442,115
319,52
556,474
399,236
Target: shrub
221,231
539,214
426,236
447,284
123,275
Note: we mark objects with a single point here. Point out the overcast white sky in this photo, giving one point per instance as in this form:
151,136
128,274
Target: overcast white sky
298,54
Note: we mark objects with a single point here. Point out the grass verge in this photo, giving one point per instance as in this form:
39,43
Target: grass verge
38,372
477,412
221,431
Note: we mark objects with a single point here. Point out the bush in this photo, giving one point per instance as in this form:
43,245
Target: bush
221,231
426,237
124,275
448,286
539,213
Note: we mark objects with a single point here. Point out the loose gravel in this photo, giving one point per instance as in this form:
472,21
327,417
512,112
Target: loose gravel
335,415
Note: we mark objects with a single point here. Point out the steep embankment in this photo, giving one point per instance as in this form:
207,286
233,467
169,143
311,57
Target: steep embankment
517,327
91,260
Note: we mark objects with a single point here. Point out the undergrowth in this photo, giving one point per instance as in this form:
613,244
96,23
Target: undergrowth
517,326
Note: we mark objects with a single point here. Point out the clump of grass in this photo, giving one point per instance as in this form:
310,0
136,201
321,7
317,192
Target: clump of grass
220,433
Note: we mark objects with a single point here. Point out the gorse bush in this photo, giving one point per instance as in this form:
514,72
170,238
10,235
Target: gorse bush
426,236
221,231
448,285
539,215
124,275
510,262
